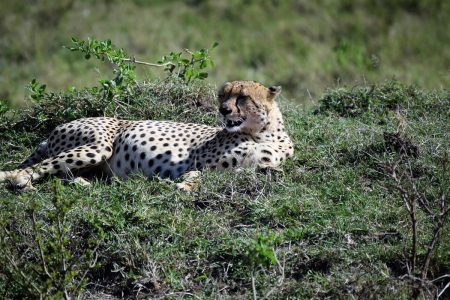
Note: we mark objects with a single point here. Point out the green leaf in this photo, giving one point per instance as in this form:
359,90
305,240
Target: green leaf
202,75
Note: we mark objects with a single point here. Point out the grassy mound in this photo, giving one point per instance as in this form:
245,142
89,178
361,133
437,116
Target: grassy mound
334,223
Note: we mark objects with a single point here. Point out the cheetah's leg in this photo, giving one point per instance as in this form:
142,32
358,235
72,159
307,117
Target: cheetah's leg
76,158
190,181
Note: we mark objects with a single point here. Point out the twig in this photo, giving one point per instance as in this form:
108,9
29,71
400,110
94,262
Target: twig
436,235
254,286
38,242
92,264
188,51
410,203
281,279
443,290
24,277
440,277
133,60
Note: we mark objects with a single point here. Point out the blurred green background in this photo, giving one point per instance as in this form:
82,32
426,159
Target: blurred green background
305,46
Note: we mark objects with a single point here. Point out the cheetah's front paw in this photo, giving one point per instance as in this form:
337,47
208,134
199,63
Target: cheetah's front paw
80,181
190,181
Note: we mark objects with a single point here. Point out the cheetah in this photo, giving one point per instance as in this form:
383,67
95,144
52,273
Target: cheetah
252,135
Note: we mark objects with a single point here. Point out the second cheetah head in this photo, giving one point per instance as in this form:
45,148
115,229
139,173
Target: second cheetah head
245,105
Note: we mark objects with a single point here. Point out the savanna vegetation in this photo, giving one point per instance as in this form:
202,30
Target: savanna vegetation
305,46
361,211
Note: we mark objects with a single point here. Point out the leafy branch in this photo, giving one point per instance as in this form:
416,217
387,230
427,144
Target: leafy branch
125,75
188,68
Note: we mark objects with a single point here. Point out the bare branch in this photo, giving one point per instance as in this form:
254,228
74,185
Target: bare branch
443,290
436,235
254,286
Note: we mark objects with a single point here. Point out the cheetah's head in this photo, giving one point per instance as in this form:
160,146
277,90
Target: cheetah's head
245,105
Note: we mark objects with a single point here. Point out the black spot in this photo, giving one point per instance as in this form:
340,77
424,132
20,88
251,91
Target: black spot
225,164
118,163
56,167
79,163
168,152
132,164
90,155
266,159
143,143
159,156
234,161
134,148
266,151
153,148
93,161
158,169
151,162
142,155
127,156
166,174
69,161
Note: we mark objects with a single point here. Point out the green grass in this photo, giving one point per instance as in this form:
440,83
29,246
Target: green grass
331,224
305,46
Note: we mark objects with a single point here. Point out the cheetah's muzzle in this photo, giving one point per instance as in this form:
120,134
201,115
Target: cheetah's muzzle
231,123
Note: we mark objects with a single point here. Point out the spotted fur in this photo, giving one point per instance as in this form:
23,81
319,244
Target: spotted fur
253,135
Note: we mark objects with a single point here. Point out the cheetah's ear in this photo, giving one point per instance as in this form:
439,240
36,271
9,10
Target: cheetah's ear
274,90
224,89
225,86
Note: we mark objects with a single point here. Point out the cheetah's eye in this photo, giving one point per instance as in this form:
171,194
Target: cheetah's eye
241,99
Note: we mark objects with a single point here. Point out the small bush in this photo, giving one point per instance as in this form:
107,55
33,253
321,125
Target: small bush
354,102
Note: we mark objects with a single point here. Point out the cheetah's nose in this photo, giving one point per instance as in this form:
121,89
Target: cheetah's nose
224,110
